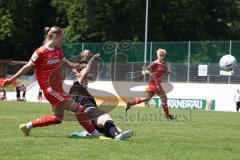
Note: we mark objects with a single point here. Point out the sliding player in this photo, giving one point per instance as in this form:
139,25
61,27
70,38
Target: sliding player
157,69
47,60
101,120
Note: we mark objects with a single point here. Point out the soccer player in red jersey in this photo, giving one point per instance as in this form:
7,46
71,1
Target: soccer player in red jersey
47,60
157,69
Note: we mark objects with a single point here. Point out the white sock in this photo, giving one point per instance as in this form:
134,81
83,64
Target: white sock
29,125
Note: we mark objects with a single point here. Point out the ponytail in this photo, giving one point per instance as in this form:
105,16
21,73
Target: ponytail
46,30
51,32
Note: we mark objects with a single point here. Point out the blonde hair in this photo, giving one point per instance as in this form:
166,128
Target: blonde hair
162,50
51,32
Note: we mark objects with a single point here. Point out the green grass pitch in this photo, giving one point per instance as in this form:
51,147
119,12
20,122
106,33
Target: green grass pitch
197,135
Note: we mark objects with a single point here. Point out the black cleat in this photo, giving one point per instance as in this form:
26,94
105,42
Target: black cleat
127,107
171,117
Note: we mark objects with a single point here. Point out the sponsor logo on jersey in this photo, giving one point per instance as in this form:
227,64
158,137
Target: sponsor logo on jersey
161,68
53,61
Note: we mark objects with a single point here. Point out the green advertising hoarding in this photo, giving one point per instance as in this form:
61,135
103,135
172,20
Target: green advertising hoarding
185,103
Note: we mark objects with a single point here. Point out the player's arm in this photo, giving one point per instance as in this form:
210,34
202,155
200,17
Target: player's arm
74,70
69,64
21,72
90,62
169,71
89,65
147,69
66,62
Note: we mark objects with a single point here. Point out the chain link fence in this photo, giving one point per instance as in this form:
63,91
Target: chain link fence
192,52
132,71
123,61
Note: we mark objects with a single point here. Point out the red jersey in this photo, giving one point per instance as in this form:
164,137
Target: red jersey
158,70
47,67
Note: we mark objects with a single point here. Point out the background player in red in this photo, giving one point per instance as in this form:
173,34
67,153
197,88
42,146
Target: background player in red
47,60
157,69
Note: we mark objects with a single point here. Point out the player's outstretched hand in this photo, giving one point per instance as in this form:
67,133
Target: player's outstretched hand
97,55
7,82
171,69
145,70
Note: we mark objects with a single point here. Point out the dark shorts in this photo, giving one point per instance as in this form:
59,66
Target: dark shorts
18,94
89,105
238,104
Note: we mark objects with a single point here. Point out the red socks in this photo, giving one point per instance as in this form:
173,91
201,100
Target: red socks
84,120
52,119
165,108
135,101
46,121
139,100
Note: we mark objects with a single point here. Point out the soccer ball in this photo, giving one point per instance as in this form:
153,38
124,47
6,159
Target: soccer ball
227,62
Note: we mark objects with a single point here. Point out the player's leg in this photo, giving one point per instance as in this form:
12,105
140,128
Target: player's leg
104,124
61,102
238,106
161,93
55,98
56,118
146,98
111,130
64,101
101,121
81,116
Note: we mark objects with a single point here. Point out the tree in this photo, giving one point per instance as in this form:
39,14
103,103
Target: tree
22,21
22,26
